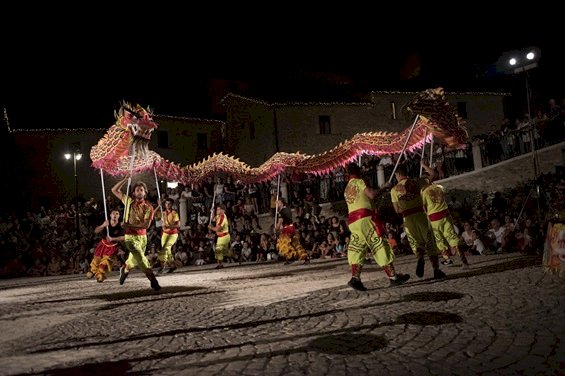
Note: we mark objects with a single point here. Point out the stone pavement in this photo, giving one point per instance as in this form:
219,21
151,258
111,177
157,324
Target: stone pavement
504,316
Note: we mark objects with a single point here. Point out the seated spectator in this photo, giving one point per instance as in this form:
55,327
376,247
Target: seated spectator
392,242
496,236
477,247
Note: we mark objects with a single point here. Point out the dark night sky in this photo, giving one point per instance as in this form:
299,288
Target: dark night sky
54,80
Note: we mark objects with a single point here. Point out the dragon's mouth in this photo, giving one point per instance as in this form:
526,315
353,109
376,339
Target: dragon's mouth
140,132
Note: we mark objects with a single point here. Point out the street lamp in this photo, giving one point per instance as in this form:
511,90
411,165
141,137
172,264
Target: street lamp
76,156
517,62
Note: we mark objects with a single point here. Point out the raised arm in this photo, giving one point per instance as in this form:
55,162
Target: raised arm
429,170
373,193
117,188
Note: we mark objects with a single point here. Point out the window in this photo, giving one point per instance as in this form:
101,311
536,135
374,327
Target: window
252,130
325,125
163,139
393,110
462,109
201,141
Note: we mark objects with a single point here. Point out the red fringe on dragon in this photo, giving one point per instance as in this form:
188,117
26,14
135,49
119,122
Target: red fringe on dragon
129,137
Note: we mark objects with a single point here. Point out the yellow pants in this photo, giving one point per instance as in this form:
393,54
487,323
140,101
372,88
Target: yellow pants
419,234
167,242
363,237
223,247
136,245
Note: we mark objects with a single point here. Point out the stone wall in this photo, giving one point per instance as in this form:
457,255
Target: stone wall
509,173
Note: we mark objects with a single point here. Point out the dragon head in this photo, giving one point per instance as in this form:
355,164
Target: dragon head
129,136
137,120
439,116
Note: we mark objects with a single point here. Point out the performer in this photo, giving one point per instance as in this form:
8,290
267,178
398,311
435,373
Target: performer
107,248
435,207
406,200
171,225
367,231
223,236
137,218
288,243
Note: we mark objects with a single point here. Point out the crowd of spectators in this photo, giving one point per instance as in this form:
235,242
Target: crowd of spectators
45,242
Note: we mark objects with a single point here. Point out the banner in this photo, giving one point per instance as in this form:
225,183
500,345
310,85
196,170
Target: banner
554,249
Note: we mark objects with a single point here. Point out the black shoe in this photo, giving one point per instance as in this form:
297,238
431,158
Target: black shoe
420,267
155,284
161,270
288,262
219,266
306,261
123,274
447,262
171,269
438,274
356,284
400,279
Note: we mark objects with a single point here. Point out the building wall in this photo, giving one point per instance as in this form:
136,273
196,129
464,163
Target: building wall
299,128
47,178
483,109
244,120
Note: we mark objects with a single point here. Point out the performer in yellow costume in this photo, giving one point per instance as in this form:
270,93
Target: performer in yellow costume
223,235
435,207
367,231
406,200
138,215
171,225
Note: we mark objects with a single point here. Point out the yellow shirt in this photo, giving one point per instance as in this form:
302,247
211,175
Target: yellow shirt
433,199
170,218
136,213
355,195
222,221
399,195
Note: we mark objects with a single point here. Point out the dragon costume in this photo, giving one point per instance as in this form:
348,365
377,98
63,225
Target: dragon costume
124,148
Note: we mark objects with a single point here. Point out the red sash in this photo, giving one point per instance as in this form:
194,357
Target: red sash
439,215
288,230
363,213
407,212
136,231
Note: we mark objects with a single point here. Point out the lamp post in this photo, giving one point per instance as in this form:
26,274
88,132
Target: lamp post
521,62
76,156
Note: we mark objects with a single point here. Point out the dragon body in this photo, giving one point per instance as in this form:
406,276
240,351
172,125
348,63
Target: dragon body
124,147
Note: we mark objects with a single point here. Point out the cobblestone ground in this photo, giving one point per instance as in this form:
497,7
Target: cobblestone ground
504,316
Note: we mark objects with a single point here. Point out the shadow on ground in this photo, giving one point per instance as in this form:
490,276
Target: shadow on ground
348,344
429,318
120,367
432,296
145,292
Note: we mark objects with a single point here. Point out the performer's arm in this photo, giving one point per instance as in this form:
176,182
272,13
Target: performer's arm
429,170
218,225
116,239
279,224
99,229
373,193
116,189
